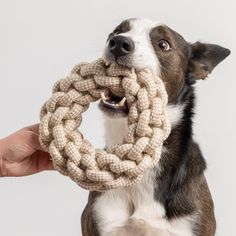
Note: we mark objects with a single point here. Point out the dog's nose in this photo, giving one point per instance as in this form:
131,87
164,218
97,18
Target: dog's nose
120,46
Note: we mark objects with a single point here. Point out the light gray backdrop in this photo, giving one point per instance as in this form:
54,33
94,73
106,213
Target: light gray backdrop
41,40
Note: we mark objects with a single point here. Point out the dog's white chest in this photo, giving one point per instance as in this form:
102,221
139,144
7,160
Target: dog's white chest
122,211
133,211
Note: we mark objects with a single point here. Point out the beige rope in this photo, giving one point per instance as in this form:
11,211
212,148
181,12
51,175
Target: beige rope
123,164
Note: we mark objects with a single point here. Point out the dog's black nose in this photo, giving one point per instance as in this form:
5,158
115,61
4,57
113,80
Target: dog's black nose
120,46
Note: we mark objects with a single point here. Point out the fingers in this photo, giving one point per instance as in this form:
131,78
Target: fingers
23,154
22,144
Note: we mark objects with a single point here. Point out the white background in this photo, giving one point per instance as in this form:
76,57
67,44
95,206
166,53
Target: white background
41,40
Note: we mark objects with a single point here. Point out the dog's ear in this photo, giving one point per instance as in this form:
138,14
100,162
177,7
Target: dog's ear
204,58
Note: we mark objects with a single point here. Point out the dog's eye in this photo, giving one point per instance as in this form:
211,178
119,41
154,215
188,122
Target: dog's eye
164,45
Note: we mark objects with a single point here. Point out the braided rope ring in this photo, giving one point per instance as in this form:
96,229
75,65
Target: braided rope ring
122,164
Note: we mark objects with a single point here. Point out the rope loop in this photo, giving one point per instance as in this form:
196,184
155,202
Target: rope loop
121,164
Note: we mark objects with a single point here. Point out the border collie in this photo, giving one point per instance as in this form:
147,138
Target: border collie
173,199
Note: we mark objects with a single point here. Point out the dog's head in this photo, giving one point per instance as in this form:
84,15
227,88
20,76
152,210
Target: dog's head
141,43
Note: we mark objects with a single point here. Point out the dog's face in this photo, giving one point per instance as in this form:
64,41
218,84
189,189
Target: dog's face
141,43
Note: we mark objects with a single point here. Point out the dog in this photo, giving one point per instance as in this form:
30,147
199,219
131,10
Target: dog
172,199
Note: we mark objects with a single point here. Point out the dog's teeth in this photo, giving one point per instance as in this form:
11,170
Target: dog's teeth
122,102
103,97
107,63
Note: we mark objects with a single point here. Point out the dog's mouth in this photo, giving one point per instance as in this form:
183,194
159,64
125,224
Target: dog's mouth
113,105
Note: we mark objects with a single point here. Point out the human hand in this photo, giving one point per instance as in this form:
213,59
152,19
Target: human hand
21,153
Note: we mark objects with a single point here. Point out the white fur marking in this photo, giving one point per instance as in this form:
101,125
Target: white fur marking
175,113
144,54
116,128
112,210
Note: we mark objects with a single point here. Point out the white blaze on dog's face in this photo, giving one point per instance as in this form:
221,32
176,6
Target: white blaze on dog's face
130,45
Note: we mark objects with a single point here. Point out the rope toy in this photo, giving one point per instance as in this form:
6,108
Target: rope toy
122,164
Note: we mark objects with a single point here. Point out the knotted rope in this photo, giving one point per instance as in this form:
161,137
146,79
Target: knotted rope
122,164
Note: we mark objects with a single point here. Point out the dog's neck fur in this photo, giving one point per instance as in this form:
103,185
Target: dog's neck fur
116,129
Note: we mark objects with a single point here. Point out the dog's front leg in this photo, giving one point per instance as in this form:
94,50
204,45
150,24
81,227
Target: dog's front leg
88,224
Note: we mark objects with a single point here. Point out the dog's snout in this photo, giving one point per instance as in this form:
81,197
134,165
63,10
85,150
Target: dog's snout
120,46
